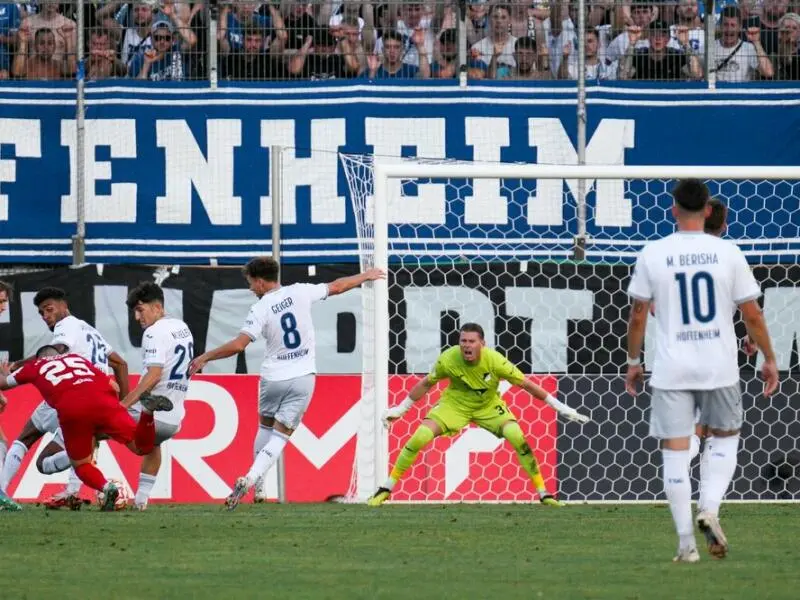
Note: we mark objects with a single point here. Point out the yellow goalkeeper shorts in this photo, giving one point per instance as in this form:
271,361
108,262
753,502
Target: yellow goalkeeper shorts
452,417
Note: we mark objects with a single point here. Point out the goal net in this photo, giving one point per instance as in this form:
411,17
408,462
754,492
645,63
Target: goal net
494,244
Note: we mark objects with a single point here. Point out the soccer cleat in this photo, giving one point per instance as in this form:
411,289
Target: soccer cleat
715,537
154,402
110,495
65,499
139,506
550,500
261,495
379,497
240,488
687,555
6,503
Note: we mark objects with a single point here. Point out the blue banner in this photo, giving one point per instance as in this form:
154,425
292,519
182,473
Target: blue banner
180,174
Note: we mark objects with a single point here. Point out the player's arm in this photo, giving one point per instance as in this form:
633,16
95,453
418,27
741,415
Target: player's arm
637,323
231,348
506,370
344,284
147,382
420,389
543,395
757,331
120,368
746,292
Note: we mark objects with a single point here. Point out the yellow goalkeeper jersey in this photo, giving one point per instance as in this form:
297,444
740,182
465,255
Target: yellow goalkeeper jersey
473,386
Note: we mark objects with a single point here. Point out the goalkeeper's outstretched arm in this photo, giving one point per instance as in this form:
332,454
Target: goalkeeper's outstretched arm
542,394
419,390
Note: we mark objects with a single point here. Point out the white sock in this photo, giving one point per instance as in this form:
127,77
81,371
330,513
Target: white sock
56,463
720,465
694,447
267,456
3,452
678,488
145,488
13,460
262,437
73,484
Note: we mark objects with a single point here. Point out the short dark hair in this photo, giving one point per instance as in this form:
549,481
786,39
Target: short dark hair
42,32
730,11
262,267
525,43
448,36
7,288
49,293
691,194
145,292
715,222
472,328
392,35
501,6
250,30
47,350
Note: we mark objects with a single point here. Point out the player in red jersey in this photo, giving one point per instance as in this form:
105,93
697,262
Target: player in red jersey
87,405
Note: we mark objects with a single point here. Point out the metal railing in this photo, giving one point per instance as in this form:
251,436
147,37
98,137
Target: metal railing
409,39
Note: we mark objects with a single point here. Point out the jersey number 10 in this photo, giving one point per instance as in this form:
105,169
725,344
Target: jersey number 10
690,295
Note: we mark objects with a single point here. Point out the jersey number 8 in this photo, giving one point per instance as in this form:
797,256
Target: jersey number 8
291,337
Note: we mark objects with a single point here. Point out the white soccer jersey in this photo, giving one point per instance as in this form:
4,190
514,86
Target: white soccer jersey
169,344
283,319
696,281
83,339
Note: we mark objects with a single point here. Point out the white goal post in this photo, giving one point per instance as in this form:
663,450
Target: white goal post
437,246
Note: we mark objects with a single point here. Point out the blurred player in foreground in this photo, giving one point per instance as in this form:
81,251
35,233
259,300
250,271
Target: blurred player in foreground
697,281
282,316
86,403
474,373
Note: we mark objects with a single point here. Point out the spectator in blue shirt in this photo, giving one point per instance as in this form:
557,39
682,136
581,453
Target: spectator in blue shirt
392,65
9,24
162,62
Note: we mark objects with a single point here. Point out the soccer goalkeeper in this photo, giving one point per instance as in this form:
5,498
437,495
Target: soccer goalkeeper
474,372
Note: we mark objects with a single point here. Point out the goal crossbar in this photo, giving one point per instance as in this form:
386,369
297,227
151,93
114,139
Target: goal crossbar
393,169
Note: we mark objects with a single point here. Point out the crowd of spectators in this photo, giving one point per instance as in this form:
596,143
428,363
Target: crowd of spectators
348,39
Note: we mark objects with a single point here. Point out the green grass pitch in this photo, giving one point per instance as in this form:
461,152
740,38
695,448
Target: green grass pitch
397,551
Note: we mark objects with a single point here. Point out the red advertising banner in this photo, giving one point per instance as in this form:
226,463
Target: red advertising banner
215,446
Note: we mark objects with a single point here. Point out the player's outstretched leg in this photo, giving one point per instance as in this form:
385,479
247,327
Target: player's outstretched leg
12,463
261,439
717,467
94,478
422,437
265,459
513,433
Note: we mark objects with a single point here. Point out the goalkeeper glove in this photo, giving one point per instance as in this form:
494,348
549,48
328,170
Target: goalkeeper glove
396,412
565,411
